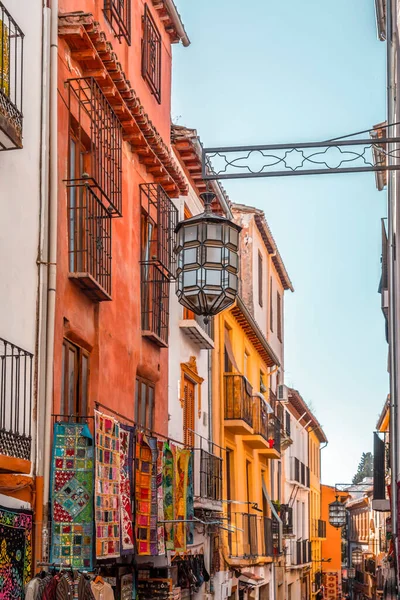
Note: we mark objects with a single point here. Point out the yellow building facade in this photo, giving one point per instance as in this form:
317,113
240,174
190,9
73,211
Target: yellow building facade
316,437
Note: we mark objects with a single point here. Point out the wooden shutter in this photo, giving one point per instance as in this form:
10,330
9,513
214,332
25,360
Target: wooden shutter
260,279
188,411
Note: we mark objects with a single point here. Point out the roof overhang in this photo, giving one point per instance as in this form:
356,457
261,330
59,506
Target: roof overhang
172,21
306,416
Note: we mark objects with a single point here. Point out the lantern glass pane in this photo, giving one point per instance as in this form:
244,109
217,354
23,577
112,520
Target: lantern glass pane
214,255
233,237
190,234
189,256
233,282
213,277
189,278
214,231
233,259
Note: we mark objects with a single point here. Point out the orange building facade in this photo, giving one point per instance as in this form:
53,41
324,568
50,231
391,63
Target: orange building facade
331,559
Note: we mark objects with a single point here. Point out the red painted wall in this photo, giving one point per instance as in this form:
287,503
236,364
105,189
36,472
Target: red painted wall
111,331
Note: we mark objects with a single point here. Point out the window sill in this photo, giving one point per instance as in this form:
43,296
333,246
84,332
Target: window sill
196,334
90,286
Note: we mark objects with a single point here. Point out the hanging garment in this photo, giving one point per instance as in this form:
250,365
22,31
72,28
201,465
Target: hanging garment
15,551
190,502
50,590
160,499
168,494
74,587
146,496
107,486
31,589
126,438
72,495
102,590
181,471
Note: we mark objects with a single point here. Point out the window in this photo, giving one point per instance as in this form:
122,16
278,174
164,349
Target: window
74,380
118,14
279,315
144,403
260,279
158,222
189,392
271,308
151,54
11,65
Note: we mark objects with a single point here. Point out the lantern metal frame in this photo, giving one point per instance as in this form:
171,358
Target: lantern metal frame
337,514
207,250
356,557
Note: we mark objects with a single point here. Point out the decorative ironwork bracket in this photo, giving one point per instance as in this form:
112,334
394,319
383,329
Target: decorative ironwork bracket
340,155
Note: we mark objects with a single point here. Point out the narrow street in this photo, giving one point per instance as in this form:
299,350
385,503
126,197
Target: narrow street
199,334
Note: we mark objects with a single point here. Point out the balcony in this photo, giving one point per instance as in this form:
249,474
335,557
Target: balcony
250,537
197,331
16,377
286,516
89,243
284,418
11,81
298,553
267,430
207,480
299,473
238,404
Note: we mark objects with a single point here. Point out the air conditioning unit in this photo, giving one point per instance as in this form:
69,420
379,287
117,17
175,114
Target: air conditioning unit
283,393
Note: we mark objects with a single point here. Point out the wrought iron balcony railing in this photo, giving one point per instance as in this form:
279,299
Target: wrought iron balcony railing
210,481
118,14
238,399
266,424
89,225
299,472
298,552
155,304
16,380
11,81
250,536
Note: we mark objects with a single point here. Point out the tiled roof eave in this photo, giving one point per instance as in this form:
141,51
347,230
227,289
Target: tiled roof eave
96,58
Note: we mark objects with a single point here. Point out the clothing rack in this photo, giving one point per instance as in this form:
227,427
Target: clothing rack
54,564
140,427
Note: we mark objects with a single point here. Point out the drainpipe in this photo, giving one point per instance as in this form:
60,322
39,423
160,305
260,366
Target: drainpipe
391,180
52,272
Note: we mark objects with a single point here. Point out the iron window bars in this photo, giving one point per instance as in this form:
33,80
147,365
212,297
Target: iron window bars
89,243
210,475
155,303
118,14
96,127
11,81
16,376
151,54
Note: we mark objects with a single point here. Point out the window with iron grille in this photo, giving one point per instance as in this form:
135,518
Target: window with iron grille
210,476
144,403
74,380
16,377
279,315
151,54
95,126
118,14
158,264
11,70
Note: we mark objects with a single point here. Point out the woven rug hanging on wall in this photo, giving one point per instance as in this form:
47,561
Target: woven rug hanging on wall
107,486
182,458
146,495
15,551
126,449
160,499
72,495
168,494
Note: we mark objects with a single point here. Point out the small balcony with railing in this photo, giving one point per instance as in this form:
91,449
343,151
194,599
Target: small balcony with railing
266,430
299,473
238,404
16,385
11,81
284,418
250,538
298,553
207,478
197,330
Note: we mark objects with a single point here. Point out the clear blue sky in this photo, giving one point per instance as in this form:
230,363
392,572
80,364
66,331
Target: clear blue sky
264,72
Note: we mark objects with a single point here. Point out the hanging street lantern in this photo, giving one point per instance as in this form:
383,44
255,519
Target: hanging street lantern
356,557
337,514
351,573
207,261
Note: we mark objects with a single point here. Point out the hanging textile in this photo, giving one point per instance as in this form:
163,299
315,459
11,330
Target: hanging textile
72,495
146,496
168,494
15,551
160,499
190,502
127,587
107,485
182,466
126,438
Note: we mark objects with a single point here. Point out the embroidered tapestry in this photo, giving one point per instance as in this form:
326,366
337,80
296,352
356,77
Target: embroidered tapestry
160,499
182,467
72,495
146,496
107,486
126,438
15,551
168,494
190,502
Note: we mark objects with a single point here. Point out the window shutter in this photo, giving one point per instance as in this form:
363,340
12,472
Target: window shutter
188,411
